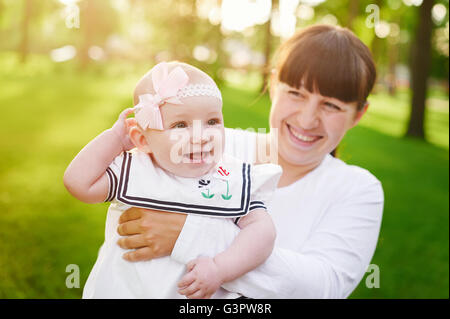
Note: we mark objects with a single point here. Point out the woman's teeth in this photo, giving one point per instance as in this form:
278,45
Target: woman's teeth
302,137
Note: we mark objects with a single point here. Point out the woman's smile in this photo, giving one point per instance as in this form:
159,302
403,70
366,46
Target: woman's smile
301,138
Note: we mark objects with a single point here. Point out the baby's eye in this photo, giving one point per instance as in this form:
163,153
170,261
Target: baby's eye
180,125
213,121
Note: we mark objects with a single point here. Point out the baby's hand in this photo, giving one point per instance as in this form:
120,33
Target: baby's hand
202,279
121,128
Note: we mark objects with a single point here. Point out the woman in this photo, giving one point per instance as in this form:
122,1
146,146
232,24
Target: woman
327,213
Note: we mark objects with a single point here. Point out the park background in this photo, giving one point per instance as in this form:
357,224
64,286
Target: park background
67,68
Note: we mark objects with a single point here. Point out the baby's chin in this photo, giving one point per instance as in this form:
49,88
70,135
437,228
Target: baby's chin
193,170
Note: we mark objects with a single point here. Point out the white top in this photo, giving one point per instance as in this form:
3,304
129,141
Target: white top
230,190
327,229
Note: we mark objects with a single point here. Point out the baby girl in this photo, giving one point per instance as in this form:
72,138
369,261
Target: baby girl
172,160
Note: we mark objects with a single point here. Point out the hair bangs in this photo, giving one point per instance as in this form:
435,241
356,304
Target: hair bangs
322,62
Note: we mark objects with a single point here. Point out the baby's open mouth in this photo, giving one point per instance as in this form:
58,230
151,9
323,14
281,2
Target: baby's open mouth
197,157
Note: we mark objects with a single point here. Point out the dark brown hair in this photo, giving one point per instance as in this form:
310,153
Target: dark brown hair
329,59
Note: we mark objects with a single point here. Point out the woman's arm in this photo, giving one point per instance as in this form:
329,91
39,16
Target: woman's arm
85,177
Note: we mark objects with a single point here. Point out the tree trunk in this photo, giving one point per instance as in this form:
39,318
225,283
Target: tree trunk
352,13
420,65
267,49
376,47
25,28
392,77
86,26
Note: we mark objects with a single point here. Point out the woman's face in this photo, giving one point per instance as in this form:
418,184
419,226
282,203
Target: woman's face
309,125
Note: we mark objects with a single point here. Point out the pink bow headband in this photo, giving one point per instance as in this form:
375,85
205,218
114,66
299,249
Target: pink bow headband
169,88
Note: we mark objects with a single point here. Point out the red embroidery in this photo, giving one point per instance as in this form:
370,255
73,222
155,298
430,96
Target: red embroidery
222,171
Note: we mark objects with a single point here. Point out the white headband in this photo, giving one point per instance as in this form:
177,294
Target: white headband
199,90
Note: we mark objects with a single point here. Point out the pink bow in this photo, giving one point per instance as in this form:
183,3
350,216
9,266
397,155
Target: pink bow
166,86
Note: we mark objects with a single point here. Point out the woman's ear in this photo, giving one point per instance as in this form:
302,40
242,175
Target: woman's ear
138,139
360,113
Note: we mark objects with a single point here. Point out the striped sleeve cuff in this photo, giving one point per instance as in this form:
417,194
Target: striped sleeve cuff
112,179
253,205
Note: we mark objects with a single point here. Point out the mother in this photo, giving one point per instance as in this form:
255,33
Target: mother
327,213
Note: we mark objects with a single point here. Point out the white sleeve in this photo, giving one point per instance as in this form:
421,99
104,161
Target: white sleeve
330,263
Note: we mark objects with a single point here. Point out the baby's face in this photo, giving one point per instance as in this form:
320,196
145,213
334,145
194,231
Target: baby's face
193,137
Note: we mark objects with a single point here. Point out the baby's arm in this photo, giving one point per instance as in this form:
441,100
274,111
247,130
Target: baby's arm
85,177
251,247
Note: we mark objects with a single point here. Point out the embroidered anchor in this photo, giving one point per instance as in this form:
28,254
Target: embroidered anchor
204,183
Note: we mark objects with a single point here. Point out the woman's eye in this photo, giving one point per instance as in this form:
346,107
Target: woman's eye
213,121
180,125
295,94
332,106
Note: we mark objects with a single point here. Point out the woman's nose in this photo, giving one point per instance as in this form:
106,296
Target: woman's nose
308,116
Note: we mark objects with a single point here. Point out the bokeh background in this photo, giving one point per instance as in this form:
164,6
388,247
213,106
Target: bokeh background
67,68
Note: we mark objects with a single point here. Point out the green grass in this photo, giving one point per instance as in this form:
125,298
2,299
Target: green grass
49,112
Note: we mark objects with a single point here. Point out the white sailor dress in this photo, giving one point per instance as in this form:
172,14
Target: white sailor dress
230,190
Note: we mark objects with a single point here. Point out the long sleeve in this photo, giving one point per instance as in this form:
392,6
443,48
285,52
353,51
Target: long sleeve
329,264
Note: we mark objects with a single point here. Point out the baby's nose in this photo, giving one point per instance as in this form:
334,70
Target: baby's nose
197,133
199,139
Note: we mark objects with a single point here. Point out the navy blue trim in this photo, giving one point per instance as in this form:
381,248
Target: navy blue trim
112,179
257,206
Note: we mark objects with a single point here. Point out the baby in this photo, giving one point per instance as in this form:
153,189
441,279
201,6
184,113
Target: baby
172,160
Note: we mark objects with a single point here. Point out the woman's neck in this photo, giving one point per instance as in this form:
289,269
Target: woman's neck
292,172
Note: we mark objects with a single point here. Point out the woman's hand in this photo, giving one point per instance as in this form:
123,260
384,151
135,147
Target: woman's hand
151,233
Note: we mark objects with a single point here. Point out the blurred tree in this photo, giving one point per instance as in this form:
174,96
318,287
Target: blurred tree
25,29
420,65
97,21
87,20
2,10
214,38
268,47
352,13
377,45
392,64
